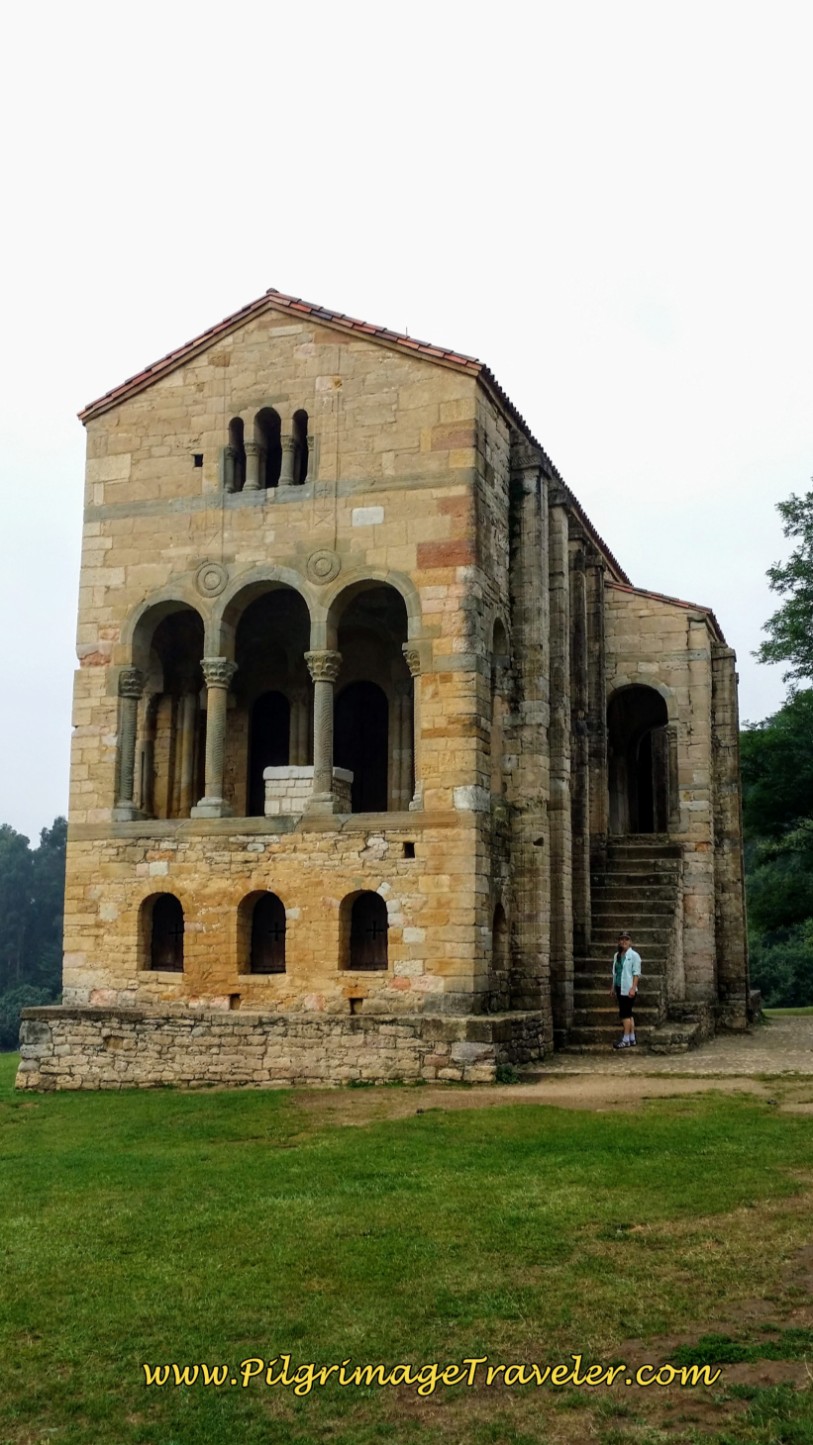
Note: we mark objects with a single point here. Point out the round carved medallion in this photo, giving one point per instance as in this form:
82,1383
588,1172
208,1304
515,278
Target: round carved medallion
211,578
323,565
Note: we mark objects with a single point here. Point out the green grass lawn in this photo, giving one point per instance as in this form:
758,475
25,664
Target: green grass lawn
160,1227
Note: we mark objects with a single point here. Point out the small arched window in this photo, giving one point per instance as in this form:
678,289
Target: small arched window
499,940
166,930
368,932
268,935
301,446
268,432
235,468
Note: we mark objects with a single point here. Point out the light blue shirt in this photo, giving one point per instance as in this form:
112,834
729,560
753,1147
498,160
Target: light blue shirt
630,968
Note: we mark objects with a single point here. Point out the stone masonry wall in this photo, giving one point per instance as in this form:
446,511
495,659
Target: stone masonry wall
438,955
74,1048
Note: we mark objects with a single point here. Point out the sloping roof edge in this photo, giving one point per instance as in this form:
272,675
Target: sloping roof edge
273,300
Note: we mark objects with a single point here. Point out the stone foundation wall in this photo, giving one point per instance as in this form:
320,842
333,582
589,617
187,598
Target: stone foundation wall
87,1048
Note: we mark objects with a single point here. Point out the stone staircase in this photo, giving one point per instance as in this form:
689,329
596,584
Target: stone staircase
638,889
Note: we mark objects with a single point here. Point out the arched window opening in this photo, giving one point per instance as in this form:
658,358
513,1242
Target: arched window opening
301,448
268,433
361,744
235,469
166,930
499,940
267,935
637,719
270,725
171,725
269,744
367,949
499,998
374,698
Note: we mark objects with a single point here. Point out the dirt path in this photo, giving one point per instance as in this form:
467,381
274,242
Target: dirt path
773,1062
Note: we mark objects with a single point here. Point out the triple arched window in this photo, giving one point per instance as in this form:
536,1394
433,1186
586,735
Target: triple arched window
266,454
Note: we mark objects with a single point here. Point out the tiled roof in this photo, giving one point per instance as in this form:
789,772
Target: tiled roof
673,602
277,301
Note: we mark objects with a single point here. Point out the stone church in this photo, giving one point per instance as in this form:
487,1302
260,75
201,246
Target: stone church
376,746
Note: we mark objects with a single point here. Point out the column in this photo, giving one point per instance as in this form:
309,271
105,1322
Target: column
597,705
254,458
559,807
218,672
529,726
131,686
286,476
187,721
323,667
402,781
732,941
412,657
230,469
580,761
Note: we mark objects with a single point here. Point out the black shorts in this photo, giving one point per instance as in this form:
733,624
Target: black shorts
625,1004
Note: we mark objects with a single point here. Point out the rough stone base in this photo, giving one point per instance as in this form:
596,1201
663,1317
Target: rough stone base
118,1048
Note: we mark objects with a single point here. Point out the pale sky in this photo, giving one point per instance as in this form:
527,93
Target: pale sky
610,205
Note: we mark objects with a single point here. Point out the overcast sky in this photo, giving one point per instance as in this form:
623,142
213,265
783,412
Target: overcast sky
610,204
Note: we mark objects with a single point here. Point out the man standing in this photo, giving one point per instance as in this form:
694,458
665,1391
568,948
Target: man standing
626,973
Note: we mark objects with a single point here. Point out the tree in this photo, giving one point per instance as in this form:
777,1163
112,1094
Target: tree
791,627
777,769
32,887
777,793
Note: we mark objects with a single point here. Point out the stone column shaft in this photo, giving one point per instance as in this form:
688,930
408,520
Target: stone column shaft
218,672
188,719
561,852
729,883
131,686
413,661
597,705
286,476
254,459
529,725
323,667
580,761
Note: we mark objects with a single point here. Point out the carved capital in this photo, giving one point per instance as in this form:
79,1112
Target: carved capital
288,445
253,449
412,657
324,666
131,682
218,671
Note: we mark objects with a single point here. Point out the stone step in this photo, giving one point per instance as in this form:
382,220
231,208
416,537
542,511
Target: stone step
601,968
652,845
600,997
676,1038
603,1036
608,1018
660,882
605,905
602,938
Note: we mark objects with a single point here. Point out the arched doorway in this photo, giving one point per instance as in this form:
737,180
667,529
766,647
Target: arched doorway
374,700
168,647
638,763
270,725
